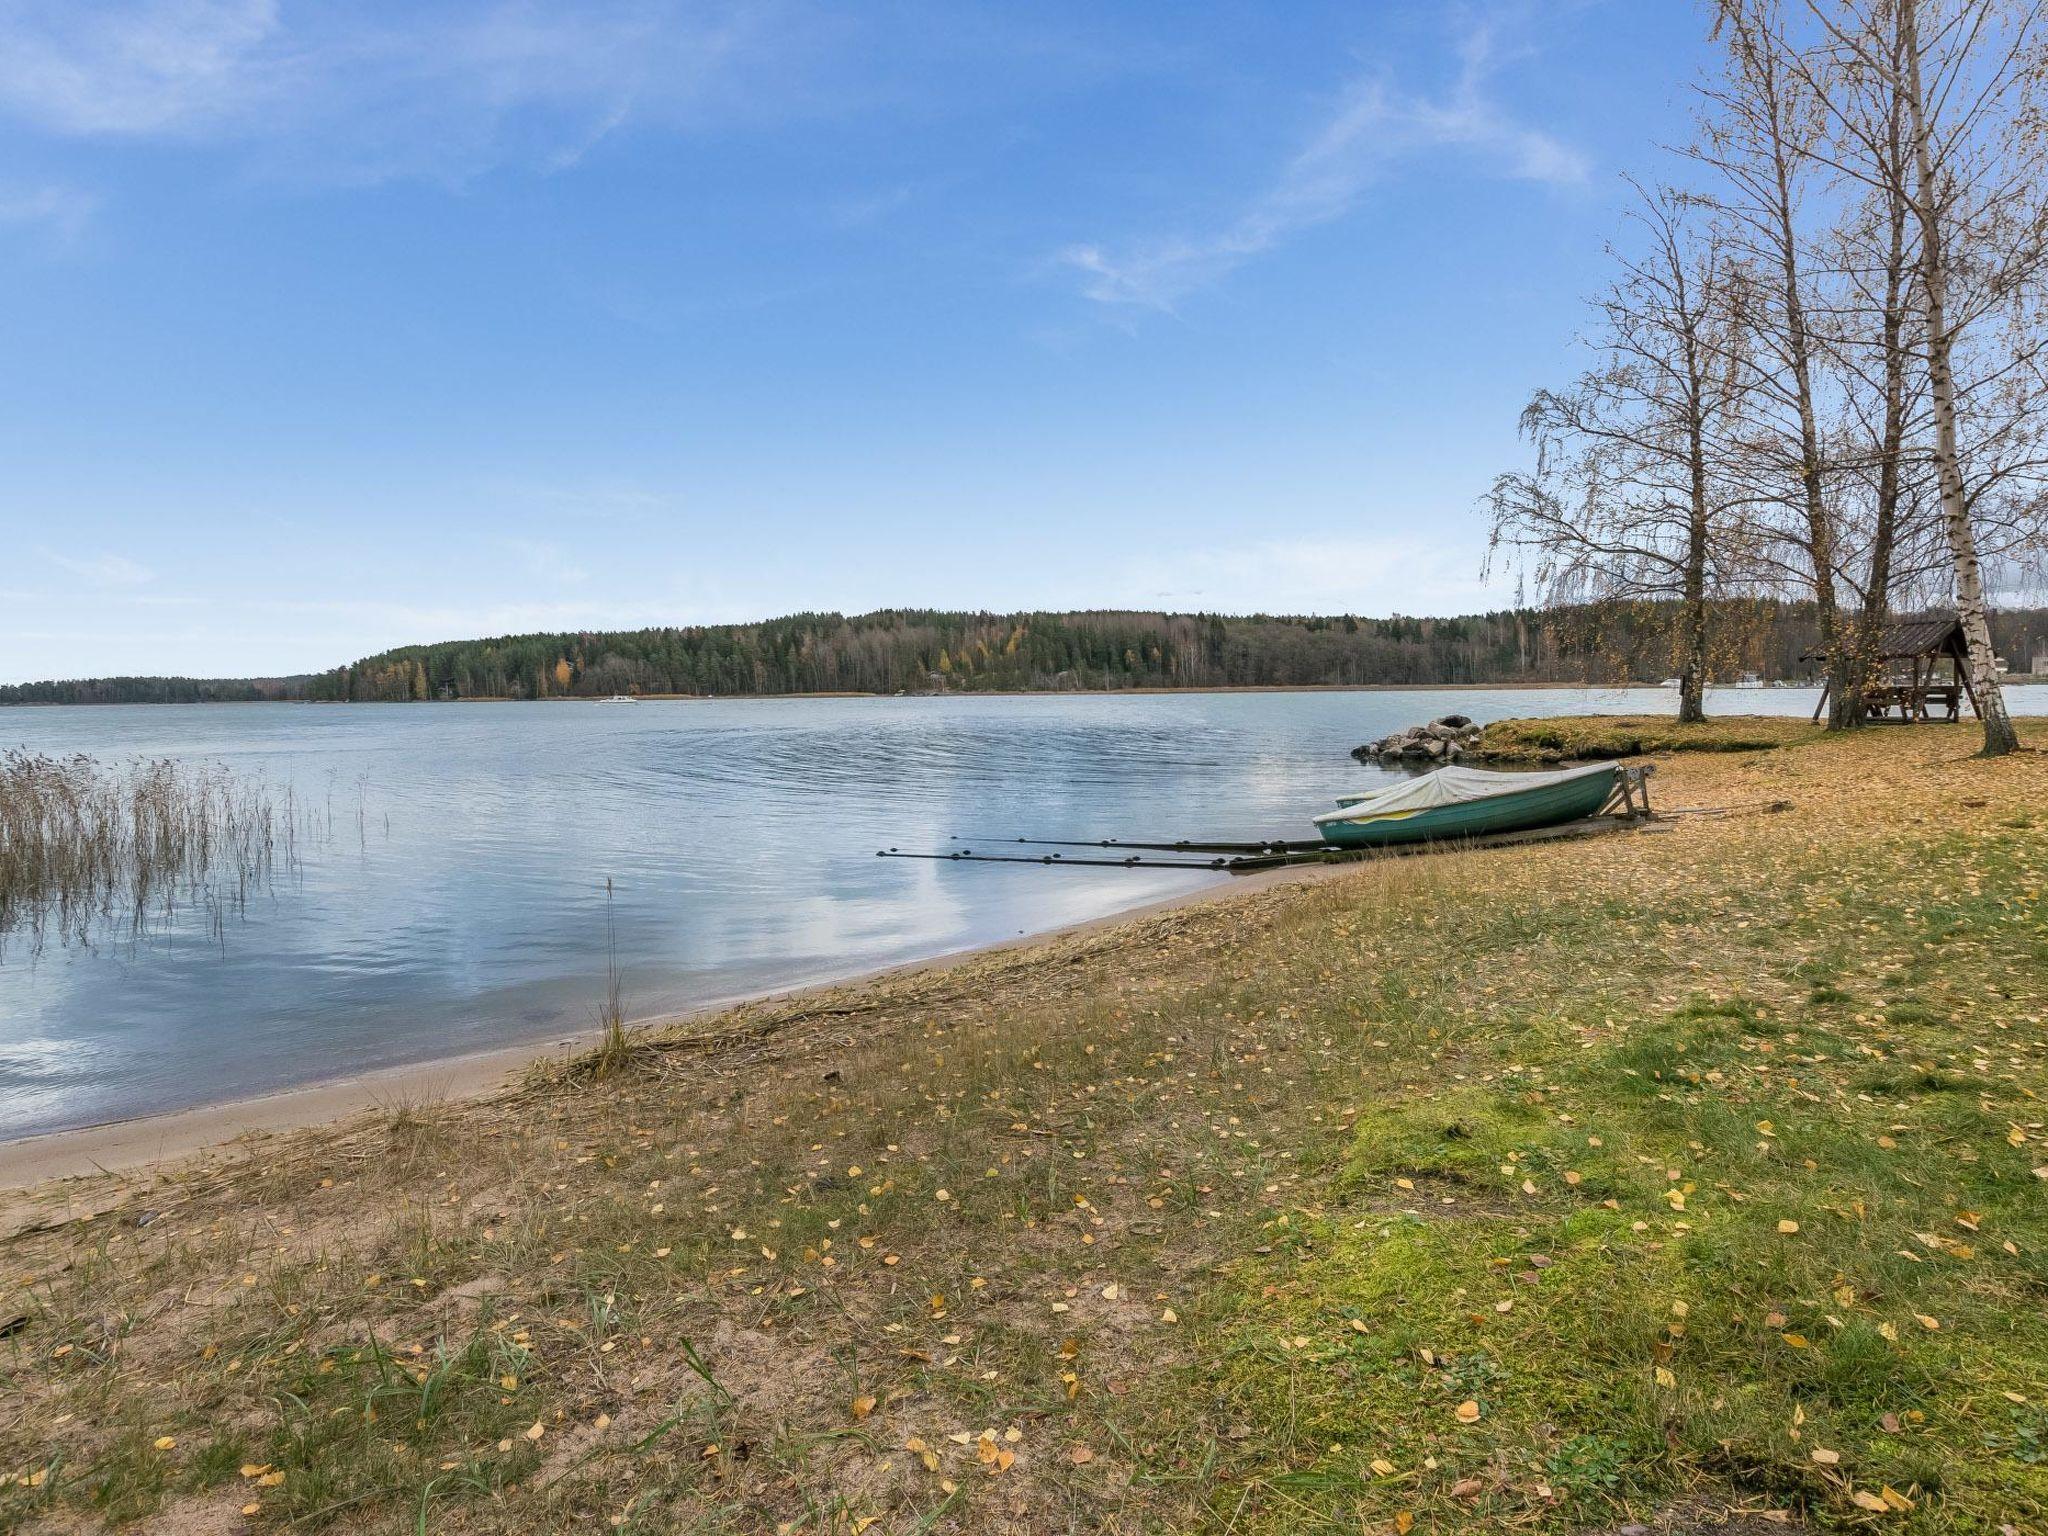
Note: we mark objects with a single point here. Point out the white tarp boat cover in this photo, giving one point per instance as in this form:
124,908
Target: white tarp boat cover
1455,786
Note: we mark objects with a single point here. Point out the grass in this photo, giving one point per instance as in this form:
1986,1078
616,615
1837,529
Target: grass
1682,1161
1607,736
87,846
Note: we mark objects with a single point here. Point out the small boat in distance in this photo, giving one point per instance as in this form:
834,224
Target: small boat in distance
1468,802
619,698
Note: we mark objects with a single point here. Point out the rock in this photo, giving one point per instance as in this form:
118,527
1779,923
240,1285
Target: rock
1444,738
476,1292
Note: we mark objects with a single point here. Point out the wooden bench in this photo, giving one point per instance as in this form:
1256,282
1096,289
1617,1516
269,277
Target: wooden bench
1913,701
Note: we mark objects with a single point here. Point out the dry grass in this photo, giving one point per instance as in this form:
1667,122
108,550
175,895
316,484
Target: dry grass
1204,1222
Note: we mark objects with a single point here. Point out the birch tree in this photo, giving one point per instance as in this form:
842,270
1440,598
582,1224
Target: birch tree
1872,333
1966,75
1758,131
1938,202
1624,505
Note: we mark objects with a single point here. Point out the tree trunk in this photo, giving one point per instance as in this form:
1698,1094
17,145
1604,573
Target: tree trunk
1692,666
1863,658
1692,669
1999,736
1820,528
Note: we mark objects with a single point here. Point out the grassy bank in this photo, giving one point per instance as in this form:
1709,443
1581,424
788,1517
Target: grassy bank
1682,1173
1589,737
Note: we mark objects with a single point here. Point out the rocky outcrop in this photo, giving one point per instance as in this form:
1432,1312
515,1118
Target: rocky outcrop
1444,739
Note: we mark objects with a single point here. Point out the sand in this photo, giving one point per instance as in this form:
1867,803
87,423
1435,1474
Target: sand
219,1130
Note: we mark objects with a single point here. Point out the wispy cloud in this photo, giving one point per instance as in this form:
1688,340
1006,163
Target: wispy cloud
412,622
546,560
603,499
1374,125
1374,574
131,68
857,210
440,88
61,214
103,570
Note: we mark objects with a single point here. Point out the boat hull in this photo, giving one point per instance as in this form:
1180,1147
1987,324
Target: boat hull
1546,805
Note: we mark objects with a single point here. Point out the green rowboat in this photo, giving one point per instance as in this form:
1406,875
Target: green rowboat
1468,802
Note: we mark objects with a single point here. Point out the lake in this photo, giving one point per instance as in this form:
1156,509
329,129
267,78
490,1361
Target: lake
452,897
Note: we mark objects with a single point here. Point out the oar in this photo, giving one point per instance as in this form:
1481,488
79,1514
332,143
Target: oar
1180,845
968,856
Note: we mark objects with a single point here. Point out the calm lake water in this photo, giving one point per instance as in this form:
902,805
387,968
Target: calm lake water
452,898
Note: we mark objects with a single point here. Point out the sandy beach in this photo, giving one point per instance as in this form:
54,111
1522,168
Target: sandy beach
237,1126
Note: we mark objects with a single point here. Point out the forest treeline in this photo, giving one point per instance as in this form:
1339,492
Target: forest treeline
157,690
921,651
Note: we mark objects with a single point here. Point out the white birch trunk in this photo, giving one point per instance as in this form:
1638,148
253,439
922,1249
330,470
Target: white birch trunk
1999,736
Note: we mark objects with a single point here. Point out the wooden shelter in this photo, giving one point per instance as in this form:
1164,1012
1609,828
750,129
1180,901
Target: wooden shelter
1911,678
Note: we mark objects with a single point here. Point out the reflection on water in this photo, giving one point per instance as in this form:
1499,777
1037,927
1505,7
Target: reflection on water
458,903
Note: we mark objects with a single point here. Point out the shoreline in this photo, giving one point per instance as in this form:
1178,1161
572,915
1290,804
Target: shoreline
1219,1173
146,1143
962,693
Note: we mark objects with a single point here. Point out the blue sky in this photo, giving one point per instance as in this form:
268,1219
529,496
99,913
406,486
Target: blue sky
328,328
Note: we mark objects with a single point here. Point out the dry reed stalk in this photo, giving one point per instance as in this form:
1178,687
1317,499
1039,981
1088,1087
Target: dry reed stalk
87,847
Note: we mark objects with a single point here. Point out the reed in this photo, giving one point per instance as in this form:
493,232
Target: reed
88,848
614,1051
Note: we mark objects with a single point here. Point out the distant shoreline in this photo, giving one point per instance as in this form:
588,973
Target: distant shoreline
950,693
